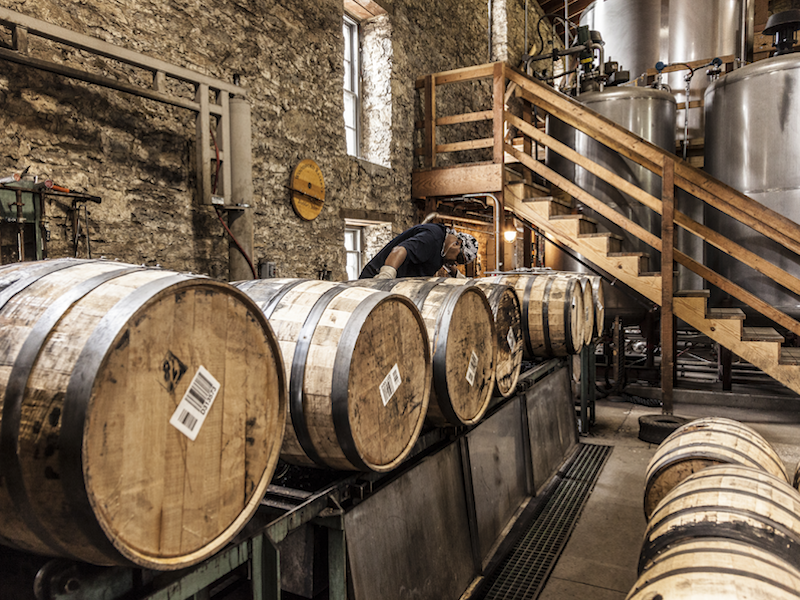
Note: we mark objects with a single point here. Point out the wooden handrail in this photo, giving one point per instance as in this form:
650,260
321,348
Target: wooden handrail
596,205
718,195
730,247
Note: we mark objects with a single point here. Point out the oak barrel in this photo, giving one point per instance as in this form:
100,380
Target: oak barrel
717,569
730,502
142,412
796,480
552,312
703,443
599,299
463,343
359,372
508,330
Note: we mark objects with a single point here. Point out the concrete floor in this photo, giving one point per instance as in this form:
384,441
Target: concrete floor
599,561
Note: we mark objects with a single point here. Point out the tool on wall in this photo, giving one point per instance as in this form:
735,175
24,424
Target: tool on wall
77,226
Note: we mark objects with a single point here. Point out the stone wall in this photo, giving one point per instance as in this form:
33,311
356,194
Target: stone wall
138,155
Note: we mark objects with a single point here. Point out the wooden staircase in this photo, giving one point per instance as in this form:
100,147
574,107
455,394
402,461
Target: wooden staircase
760,346
552,216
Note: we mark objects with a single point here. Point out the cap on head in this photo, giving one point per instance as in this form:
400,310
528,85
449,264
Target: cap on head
469,246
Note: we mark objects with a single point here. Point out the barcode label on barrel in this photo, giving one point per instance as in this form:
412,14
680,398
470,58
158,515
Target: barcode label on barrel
390,384
196,402
472,368
511,338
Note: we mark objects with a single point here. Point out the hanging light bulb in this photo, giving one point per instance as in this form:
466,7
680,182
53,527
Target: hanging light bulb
510,235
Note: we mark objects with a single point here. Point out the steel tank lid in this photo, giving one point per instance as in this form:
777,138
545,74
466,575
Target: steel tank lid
784,62
627,93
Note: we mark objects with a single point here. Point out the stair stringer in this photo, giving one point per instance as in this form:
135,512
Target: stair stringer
692,310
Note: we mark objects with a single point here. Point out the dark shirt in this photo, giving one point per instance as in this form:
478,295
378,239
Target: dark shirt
423,244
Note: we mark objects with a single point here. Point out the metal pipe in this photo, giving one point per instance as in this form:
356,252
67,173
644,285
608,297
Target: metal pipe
527,48
566,20
240,220
743,26
490,31
496,206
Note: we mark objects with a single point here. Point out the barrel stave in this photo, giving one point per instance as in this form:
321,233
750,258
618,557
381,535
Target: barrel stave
90,465
703,443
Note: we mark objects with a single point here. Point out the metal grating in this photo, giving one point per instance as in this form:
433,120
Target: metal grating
523,573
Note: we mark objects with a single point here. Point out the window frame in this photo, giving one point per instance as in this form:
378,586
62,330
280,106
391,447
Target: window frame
350,30
358,232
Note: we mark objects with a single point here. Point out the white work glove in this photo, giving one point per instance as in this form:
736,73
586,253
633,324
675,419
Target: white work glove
386,272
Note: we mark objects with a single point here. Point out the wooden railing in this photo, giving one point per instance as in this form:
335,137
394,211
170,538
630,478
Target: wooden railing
675,173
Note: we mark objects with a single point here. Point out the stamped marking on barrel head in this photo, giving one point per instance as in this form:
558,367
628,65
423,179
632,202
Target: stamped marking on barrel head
390,384
174,370
511,338
196,403
472,368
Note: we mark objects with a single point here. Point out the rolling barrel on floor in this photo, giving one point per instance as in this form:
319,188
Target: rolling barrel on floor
704,443
730,502
142,412
552,312
508,329
461,331
708,569
359,371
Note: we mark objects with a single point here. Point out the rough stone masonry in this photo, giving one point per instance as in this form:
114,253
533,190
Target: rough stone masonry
138,155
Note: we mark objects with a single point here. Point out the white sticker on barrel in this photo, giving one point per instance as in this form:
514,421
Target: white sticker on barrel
472,368
511,338
192,410
390,384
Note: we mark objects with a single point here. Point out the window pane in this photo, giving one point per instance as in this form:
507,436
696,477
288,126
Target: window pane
348,41
353,265
349,110
349,240
352,144
348,76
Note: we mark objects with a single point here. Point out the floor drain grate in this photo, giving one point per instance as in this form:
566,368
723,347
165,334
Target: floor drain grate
523,573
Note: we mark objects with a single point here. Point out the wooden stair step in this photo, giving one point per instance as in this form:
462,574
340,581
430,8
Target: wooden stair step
539,199
621,254
603,241
761,334
576,217
789,356
693,294
655,274
725,313
597,234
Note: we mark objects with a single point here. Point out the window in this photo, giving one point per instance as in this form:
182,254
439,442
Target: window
352,101
352,247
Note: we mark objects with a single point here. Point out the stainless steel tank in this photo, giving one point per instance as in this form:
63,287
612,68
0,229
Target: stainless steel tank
648,113
640,33
753,145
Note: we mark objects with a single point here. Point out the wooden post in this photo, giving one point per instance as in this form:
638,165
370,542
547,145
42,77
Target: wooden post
526,243
498,126
498,110
726,368
527,144
430,121
667,285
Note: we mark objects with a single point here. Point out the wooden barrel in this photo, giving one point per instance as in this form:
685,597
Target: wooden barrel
508,330
709,568
796,480
462,335
730,502
552,312
142,412
704,443
359,372
599,304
